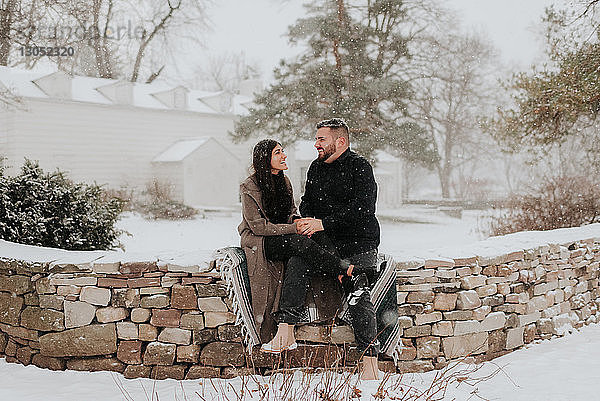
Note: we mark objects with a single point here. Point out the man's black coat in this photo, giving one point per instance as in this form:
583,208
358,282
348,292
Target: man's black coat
343,194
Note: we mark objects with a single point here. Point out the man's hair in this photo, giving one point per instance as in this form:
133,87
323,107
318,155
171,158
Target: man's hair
336,124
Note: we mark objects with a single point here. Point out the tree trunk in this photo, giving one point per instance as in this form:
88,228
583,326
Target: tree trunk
6,21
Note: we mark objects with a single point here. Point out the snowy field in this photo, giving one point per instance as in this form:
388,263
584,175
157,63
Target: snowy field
566,368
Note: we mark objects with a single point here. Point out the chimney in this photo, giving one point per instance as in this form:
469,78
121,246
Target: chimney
56,85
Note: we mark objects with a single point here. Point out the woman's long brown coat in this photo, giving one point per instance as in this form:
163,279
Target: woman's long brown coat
266,276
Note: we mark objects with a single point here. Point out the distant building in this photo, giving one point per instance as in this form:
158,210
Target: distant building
125,135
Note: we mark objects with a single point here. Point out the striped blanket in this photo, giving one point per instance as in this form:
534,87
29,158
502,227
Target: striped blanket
231,262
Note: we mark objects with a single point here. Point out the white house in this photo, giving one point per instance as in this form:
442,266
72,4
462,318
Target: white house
125,134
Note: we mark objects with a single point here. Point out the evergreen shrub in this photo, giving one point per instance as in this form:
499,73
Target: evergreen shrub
563,201
48,209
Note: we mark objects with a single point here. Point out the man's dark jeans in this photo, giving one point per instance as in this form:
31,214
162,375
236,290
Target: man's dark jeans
317,256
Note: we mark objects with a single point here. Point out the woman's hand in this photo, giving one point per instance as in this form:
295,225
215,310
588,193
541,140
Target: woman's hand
308,226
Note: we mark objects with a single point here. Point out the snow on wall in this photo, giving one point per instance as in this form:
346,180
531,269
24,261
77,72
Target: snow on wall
168,316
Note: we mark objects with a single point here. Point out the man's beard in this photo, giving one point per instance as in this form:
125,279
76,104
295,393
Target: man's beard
327,152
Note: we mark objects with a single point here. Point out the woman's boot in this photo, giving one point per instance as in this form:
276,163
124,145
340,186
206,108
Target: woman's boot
284,340
369,368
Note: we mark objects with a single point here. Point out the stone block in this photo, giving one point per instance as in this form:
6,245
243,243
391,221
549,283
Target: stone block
414,366
428,347
469,344
458,315
188,353
222,354
140,315
467,327
111,314
126,298
405,322
214,319
493,300
19,332
481,312
130,352
204,336
471,282
137,371
35,318
137,267
212,304
112,282
503,288
339,334
155,301
78,313
487,290
66,290
31,299
442,329
428,318
468,300
529,333
420,297
230,373
183,297
153,290
211,290
51,302
537,304
194,321
493,321
24,355
198,372
127,331
99,267
524,320
418,331
176,372
514,338
3,341
496,341
410,309
10,308
98,339
230,332
175,335
48,362
96,364
143,282
77,281
544,326
16,284
444,301
165,317
43,286
147,332
159,354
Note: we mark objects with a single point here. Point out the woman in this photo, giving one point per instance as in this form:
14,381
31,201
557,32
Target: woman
269,237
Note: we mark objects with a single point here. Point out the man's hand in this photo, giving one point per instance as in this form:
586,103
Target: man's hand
308,226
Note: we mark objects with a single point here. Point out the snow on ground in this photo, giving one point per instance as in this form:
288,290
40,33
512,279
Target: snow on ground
561,369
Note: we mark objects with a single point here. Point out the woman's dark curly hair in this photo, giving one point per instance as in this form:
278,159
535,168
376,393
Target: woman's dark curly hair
277,197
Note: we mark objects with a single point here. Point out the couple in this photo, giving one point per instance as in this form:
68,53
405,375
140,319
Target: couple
331,249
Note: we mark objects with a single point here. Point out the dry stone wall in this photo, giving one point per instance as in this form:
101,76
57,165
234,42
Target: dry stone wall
165,320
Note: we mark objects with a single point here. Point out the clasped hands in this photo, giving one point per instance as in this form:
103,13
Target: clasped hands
308,226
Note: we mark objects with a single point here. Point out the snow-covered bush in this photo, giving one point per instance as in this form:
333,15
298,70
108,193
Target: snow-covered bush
48,209
558,202
158,203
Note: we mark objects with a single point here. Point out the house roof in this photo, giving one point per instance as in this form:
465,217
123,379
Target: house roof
85,89
181,149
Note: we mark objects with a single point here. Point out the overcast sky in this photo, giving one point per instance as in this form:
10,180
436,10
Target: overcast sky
258,27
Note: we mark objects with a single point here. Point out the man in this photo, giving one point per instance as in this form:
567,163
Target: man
338,207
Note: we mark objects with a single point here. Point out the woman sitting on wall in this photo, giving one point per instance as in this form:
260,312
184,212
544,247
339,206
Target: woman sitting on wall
269,237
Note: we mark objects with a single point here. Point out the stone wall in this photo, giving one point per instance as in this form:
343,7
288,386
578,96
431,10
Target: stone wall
166,320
